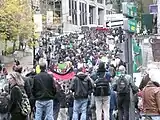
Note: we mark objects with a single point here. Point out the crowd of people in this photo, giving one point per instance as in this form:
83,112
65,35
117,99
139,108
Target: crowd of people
77,80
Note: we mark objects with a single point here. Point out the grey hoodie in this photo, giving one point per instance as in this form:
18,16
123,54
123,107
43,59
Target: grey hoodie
81,86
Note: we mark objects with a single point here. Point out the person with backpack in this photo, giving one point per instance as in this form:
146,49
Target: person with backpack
123,83
28,83
81,87
19,106
102,92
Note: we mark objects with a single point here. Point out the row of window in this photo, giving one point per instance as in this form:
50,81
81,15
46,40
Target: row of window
83,12
73,12
102,1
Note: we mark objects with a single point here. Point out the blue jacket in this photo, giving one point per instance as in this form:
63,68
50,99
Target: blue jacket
113,100
108,75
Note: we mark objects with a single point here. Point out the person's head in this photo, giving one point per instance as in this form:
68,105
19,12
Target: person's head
80,70
18,69
101,67
122,69
42,66
17,62
15,78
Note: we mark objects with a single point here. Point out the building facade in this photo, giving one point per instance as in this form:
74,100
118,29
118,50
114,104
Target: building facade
76,13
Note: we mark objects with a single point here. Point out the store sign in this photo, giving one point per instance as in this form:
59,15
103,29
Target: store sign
153,9
38,22
49,18
130,25
129,9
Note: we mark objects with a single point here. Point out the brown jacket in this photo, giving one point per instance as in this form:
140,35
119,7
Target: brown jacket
151,99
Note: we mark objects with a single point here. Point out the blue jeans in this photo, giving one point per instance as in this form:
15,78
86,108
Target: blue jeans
156,118
70,113
44,109
153,118
80,106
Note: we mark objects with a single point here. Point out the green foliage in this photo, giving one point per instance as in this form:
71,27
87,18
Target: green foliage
15,19
9,50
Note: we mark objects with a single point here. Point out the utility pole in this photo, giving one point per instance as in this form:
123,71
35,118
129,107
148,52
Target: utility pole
130,26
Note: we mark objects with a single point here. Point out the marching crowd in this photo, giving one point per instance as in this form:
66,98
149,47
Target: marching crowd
98,89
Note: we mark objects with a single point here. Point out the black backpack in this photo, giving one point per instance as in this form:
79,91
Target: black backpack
102,87
123,85
4,101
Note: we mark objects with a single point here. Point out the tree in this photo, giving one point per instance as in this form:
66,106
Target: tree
15,19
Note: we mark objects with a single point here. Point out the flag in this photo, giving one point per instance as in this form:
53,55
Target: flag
63,76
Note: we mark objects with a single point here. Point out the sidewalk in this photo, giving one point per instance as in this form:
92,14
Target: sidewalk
25,62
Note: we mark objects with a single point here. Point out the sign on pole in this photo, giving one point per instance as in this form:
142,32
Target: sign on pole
153,9
38,22
130,25
49,18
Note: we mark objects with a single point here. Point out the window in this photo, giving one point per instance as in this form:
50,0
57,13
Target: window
100,1
83,14
91,15
70,7
107,2
73,11
99,17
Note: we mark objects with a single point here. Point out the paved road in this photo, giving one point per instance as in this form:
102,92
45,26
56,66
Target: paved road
25,62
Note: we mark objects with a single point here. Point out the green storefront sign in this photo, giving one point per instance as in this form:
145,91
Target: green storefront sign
137,56
131,10
132,25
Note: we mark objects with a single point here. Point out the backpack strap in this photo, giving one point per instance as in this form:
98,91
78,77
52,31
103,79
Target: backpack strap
101,77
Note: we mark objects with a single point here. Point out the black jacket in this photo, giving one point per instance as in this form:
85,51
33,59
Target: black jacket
43,87
15,98
28,85
95,75
81,86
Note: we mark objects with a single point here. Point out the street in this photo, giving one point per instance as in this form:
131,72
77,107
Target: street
25,62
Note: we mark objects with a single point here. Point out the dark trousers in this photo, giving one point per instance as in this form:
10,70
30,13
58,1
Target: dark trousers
123,107
56,108
18,116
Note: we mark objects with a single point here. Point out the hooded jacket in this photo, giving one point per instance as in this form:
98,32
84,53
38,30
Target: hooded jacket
81,86
43,87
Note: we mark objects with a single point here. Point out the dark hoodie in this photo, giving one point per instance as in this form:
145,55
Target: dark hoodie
81,86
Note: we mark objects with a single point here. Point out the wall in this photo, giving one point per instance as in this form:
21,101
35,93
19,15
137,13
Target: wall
145,4
65,14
